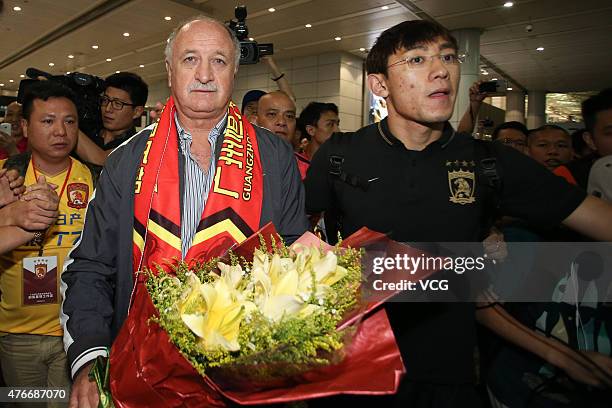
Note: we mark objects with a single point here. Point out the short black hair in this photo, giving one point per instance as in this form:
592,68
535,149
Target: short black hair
130,83
595,104
510,125
548,127
44,90
406,35
312,113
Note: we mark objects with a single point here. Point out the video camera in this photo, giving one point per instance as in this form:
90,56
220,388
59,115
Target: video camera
250,51
87,89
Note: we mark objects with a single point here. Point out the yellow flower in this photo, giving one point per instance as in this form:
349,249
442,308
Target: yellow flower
323,272
276,287
214,311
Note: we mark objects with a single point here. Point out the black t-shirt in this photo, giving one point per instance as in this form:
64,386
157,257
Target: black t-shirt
116,142
433,195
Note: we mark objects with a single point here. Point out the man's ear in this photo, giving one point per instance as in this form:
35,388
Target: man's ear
588,139
378,85
24,127
310,130
138,110
169,70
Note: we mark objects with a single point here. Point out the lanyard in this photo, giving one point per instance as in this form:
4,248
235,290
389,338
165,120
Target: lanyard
44,233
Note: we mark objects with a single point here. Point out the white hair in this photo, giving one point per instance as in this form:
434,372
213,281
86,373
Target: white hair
201,17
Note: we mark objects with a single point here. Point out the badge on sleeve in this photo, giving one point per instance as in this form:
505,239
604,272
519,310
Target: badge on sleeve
40,280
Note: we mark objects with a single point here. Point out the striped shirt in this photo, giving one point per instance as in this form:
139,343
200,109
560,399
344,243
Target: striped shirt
196,182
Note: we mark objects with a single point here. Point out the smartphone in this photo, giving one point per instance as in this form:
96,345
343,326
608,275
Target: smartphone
6,128
492,86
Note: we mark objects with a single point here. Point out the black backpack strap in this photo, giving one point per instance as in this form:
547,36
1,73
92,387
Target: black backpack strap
19,162
490,170
336,161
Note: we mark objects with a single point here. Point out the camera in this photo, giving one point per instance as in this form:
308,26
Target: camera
529,28
87,89
491,86
250,51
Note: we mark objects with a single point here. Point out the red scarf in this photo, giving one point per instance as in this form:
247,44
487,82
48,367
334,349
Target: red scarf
233,208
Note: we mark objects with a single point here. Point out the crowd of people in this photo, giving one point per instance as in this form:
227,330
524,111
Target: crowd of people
72,237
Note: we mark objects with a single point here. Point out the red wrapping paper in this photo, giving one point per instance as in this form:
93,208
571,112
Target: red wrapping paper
148,370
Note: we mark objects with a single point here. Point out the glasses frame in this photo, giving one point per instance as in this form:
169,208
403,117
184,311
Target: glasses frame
429,58
114,102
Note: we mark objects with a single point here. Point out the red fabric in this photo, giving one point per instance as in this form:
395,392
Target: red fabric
566,174
303,163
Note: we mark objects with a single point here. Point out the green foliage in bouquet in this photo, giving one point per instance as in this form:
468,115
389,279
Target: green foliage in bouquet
278,313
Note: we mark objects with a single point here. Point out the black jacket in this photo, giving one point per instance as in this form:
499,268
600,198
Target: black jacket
97,280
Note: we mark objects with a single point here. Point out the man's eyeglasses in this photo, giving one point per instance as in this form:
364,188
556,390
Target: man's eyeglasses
115,103
422,61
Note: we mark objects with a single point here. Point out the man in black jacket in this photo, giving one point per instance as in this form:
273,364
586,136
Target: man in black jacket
202,59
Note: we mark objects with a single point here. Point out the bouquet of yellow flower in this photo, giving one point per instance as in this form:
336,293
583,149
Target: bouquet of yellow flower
279,312
264,324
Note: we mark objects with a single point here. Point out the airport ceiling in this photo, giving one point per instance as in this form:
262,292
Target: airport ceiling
130,34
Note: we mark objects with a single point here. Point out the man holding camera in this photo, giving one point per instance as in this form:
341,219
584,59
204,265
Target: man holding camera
198,211
122,102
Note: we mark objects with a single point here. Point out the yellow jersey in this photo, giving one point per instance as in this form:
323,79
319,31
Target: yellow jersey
29,283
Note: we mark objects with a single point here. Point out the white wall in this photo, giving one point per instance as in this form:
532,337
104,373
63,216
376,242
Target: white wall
331,77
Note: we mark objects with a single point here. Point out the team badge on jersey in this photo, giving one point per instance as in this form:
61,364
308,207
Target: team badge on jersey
78,195
462,184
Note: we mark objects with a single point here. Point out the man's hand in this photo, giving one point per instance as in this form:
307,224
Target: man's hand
84,392
37,209
11,186
476,97
494,246
596,370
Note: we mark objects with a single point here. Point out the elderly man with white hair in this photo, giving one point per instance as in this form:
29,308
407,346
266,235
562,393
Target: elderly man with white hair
188,187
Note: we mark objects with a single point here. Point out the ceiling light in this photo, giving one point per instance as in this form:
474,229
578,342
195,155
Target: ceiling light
16,8
10,80
126,34
308,25
484,72
51,64
251,39
540,49
71,56
67,72
493,79
108,59
116,72
362,49
271,9
508,4
141,65
509,88
95,47
1,84
21,76
167,18
337,38
384,8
